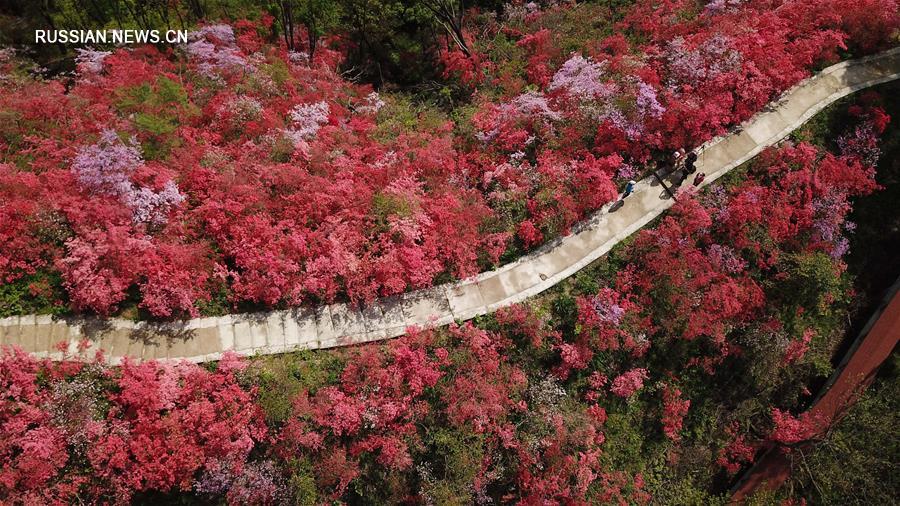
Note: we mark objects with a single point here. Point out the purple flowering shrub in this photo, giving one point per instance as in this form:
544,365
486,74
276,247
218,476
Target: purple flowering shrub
105,169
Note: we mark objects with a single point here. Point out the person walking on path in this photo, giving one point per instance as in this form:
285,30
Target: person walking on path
677,160
689,163
629,189
689,168
698,180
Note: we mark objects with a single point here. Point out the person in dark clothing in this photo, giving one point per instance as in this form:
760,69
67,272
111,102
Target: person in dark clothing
689,168
689,163
698,180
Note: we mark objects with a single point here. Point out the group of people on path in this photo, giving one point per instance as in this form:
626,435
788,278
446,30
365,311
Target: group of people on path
687,165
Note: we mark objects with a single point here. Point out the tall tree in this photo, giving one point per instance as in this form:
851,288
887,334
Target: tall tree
449,13
318,16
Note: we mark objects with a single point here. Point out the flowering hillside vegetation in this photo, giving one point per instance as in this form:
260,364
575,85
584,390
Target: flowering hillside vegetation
645,382
233,174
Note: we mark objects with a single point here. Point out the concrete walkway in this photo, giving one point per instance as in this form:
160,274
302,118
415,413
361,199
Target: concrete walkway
205,339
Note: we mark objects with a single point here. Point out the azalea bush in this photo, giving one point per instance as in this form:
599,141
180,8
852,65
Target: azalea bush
697,352
228,173
82,429
232,174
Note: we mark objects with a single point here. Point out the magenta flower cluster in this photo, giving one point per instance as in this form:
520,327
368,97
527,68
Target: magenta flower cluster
105,168
308,119
693,65
629,382
89,62
862,143
583,78
725,258
606,308
214,48
830,224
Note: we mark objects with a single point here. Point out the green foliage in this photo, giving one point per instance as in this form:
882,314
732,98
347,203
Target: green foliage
859,460
385,205
680,479
874,259
302,483
459,455
397,38
318,18
217,305
282,149
402,114
11,130
277,70
155,125
813,284
281,377
569,25
625,442
39,293
158,110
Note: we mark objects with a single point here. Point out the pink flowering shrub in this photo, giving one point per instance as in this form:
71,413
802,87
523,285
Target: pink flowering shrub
626,384
100,267
279,183
791,430
736,453
67,434
674,410
796,349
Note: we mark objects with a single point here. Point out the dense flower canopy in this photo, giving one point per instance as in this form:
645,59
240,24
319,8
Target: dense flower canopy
521,406
231,172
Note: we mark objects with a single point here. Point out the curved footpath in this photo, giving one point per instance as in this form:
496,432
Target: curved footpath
205,339
872,347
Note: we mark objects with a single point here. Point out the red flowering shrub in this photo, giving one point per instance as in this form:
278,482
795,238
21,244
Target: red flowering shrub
158,430
526,406
519,319
168,421
485,388
790,430
232,169
674,410
374,410
176,185
32,449
626,384
736,453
